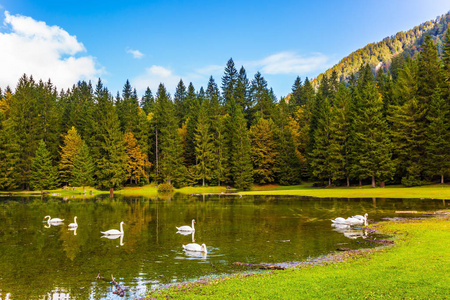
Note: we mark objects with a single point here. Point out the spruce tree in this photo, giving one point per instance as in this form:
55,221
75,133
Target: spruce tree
340,132
241,94
260,95
43,174
438,144
263,151
239,164
83,168
170,153
204,147
215,111
229,81
320,157
288,163
193,107
376,148
108,149
181,106
147,101
296,98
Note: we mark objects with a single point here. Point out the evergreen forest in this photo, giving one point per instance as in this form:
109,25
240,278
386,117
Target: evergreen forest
378,126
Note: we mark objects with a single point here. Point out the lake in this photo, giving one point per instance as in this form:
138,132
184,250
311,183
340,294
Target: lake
40,261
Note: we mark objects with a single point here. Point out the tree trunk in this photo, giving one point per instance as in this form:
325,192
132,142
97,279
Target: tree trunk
373,181
329,181
360,183
83,190
382,184
203,182
442,178
348,181
111,192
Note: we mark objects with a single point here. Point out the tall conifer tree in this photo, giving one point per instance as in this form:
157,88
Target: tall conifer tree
43,174
108,149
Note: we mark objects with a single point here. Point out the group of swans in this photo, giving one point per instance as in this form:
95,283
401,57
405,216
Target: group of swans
350,221
192,247
74,225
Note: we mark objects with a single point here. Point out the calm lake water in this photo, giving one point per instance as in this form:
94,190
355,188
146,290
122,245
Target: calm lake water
42,262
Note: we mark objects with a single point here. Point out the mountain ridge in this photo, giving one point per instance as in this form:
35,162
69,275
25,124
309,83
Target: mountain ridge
380,54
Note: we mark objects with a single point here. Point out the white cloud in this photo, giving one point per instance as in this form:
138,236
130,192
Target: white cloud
43,51
155,75
136,53
289,63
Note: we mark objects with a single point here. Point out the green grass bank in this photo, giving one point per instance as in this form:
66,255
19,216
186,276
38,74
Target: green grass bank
417,266
437,191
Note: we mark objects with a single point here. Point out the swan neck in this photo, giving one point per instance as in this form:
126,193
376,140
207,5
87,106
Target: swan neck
121,227
193,224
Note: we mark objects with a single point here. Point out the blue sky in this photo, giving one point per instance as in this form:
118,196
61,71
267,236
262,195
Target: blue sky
149,42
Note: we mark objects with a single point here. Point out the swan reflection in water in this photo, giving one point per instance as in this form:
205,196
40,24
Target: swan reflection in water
350,232
74,229
187,233
115,236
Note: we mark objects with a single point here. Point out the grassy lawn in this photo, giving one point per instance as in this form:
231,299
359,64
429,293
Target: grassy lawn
438,191
416,267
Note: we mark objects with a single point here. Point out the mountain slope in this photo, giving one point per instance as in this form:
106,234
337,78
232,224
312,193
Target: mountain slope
381,54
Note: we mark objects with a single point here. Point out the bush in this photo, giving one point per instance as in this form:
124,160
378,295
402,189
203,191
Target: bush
409,181
165,188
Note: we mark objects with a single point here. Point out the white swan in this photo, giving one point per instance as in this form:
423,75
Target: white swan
187,228
74,224
363,219
54,220
114,231
195,247
339,220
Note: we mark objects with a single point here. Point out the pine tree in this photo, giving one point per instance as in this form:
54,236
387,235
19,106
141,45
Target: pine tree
438,145
108,149
376,148
69,152
296,95
77,106
193,107
43,174
229,81
340,131
288,163
239,164
179,98
320,157
22,131
83,168
128,108
241,94
170,153
299,127
263,151
263,102
147,101
204,146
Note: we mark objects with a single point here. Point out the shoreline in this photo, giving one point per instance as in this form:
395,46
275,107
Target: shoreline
218,287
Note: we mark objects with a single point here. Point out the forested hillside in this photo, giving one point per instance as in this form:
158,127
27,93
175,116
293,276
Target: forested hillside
388,128
389,52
